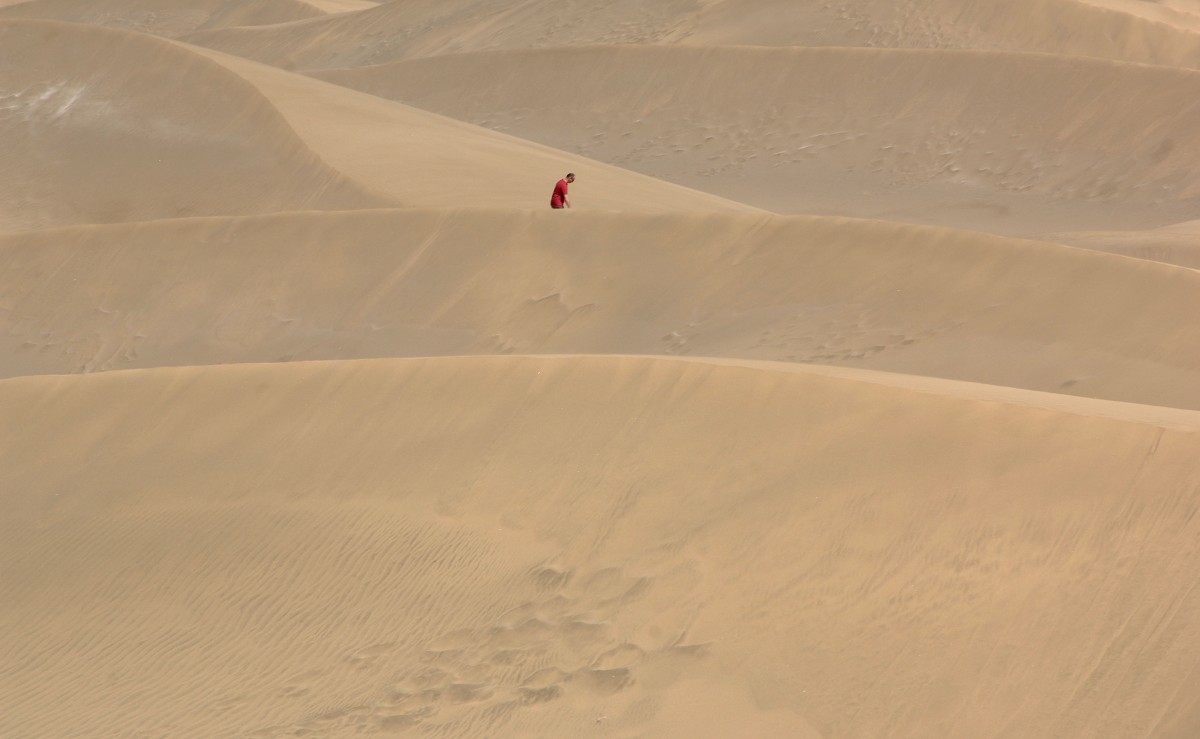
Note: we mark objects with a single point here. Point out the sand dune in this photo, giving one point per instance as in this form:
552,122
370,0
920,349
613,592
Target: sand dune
101,126
394,283
165,17
933,137
316,421
427,160
157,130
474,547
1127,30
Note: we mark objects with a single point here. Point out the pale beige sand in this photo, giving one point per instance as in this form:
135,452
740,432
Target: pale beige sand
366,284
480,547
104,125
1127,30
932,137
748,474
101,126
426,160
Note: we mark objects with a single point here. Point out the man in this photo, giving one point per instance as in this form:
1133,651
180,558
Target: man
559,199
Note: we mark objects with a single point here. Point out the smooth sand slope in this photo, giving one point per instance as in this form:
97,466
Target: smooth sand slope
1009,143
100,126
857,293
103,125
1128,30
428,160
498,546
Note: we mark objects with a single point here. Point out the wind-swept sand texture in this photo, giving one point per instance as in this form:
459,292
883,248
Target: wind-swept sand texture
316,421
575,546
934,137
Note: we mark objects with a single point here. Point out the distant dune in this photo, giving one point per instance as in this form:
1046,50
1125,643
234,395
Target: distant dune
1126,30
103,126
934,137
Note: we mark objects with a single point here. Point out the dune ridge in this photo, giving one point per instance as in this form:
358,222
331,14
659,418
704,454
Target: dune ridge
928,136
103,125
458,164
1126,31
909,299
859,470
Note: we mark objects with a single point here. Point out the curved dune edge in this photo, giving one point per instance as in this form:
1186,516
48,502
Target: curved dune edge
427,28
428,160
908,299
525,545
103,126
943,137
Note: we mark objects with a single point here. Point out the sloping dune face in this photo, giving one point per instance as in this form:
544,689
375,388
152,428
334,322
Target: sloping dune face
809,418
423,159
482,547
100,126
854,293
943,137
165,17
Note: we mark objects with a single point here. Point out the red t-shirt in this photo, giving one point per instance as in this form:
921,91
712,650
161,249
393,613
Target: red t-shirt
559,198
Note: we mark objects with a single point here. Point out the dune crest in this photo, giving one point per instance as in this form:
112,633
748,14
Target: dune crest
427,160
103,126
920,136
819,290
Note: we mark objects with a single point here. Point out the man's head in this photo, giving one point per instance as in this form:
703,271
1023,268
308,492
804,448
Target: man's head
570,177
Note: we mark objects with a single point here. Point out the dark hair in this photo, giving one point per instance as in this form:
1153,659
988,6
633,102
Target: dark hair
570,174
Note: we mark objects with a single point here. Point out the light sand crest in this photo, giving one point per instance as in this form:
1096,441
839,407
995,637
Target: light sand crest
103,126
1127,31
830,291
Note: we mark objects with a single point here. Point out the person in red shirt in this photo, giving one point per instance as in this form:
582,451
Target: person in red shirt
559,199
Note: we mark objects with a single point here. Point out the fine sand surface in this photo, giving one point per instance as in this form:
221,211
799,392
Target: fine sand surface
858,395
915,135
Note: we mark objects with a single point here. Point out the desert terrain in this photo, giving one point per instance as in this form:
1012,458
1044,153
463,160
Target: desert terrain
856,395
